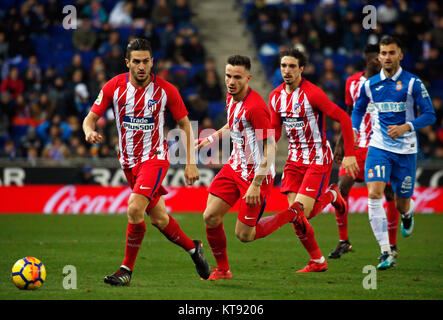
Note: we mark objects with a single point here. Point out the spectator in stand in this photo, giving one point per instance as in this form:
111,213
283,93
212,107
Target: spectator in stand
4,47
141,11
9,150
13,83
198,108
76,64
98,66
54,12
56,150
150,34
434,64
113,40
84,38
53,127
355,40
30,83
161,14
181,13
210,89
82,100
331,34
437,34
7,106
95,13
19,43
96,83
194,51
115,63
121,14
387,13
30,140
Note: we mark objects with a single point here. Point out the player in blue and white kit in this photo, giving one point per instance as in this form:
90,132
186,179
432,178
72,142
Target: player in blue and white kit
393,98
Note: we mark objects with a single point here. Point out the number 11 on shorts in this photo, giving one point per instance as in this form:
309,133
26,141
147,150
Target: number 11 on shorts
380,170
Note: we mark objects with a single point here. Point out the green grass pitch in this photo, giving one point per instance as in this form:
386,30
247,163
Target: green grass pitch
262,270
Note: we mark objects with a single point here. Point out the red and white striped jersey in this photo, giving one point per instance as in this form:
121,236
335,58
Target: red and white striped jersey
302,112
249,123
140,116
352,91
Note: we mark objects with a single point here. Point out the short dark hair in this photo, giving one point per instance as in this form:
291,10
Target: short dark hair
372,48
138,44
297,54
238,60
386,40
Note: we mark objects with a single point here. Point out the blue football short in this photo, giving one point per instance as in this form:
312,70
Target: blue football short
399,169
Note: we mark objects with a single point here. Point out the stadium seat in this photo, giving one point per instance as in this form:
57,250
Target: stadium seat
215,108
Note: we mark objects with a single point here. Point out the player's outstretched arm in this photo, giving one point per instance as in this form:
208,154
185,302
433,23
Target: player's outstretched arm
200,143
91,136
252,196
191,170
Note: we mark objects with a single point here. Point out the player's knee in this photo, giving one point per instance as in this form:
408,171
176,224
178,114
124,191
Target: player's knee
211,220
244,236
135,213
159,220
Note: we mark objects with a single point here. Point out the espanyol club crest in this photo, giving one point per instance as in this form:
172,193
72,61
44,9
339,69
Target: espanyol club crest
370,174
399,86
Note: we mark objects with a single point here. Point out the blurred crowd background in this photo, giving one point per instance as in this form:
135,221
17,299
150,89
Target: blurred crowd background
50,76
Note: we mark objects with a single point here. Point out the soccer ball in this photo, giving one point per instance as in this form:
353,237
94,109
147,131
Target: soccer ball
28,273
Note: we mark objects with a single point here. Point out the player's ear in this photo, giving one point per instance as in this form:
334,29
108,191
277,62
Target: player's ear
127,62
302,68
400,55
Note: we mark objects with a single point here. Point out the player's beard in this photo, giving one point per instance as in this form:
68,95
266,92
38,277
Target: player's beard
140,79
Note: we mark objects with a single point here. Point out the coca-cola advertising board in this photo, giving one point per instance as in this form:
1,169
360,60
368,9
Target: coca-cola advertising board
84,199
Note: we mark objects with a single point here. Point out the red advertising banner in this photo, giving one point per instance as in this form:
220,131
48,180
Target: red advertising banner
83,199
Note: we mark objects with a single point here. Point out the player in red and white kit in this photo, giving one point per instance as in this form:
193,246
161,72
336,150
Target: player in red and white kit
301,107
249,174
140,100
345,182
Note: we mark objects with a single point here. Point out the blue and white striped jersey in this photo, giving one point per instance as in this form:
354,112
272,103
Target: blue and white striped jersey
394,101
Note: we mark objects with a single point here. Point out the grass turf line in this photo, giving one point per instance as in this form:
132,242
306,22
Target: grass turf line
262,270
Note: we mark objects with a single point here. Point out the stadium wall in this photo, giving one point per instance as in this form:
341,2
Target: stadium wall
95,199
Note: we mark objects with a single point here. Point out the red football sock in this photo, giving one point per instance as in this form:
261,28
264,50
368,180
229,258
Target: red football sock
325,199
307,237
217,241
134,237
269,224
174,233
342,223
392,216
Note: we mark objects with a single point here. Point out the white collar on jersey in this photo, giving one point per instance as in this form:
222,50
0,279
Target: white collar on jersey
394,77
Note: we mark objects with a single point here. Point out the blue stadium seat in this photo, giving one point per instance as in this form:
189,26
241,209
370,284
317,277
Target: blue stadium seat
87,58
17,132
186,92
437,84
215,108
340,61
124,33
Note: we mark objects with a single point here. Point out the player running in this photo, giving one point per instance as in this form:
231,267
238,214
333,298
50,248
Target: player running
301,106
393,98
249,174
345,182
140,100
